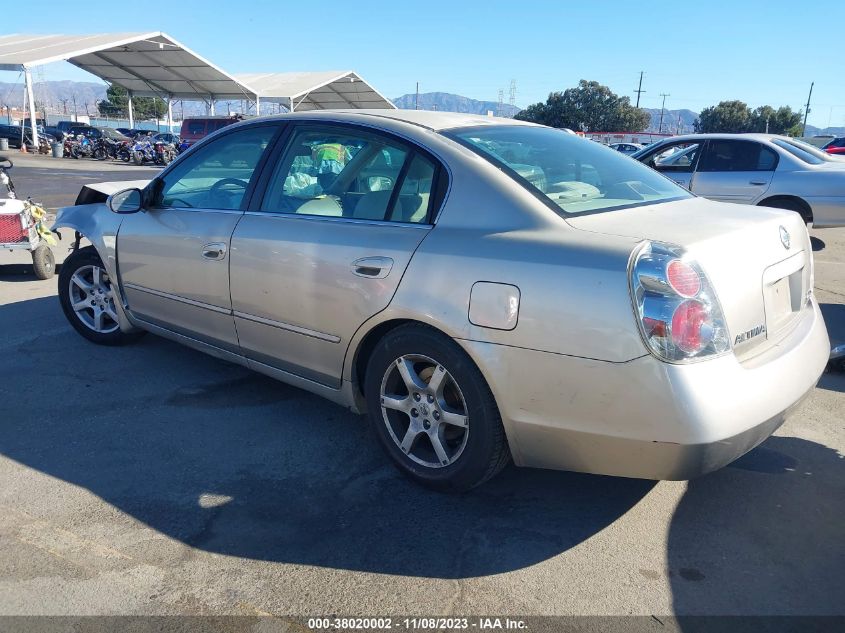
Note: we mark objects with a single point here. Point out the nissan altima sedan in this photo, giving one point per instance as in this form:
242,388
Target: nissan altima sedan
482,289
756,169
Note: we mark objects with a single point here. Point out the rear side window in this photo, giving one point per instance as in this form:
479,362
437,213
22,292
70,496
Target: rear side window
723,155
350,173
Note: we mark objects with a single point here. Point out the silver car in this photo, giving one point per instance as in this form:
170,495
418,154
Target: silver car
626,148
759,169
483,289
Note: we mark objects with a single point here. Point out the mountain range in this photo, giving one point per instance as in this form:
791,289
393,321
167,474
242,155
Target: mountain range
58,96
448,102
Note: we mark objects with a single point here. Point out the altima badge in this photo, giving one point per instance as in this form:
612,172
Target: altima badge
784,238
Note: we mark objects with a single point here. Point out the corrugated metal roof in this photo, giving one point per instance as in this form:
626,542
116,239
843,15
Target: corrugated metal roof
326,90
147,64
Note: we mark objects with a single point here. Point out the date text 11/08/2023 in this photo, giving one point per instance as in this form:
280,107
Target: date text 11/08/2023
416,624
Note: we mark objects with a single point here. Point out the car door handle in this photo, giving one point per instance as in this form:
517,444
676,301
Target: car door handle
214,250
373,267
757,182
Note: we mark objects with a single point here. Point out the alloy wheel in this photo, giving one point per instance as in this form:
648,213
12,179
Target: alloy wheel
424,411
92,299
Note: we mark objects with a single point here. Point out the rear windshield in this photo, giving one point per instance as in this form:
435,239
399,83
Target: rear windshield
196,127
803,151
571,174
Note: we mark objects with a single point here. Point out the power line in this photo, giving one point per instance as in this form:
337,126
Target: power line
639,89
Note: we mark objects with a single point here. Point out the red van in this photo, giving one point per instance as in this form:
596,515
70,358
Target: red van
195,128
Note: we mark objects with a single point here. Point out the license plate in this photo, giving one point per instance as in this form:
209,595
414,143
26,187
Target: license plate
778,303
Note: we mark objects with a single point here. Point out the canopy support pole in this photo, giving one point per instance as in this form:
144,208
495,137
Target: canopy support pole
28,80
257,106
169,115
131,114
291,103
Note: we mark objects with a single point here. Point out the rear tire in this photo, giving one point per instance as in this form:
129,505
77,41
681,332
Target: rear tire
448,437
87,298
43,262
138,158
790,205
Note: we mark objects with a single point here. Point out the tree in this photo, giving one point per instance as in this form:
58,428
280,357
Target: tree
736,116
780,121
589,107
728,116
116,104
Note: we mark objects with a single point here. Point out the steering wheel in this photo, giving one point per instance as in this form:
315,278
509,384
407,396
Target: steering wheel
217,186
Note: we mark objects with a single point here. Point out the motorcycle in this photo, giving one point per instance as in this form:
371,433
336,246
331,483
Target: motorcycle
106,148
165,153
81,146
142,151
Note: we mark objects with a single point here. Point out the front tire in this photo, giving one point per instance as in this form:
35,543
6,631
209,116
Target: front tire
432,410
43,262
88,299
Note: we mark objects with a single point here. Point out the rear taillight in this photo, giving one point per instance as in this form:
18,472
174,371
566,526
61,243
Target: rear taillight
676,308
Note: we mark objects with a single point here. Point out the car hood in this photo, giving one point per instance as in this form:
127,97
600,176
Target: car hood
98,192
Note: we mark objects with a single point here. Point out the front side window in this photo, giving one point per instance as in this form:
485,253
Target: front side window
725,155
338,172
217,175
572,174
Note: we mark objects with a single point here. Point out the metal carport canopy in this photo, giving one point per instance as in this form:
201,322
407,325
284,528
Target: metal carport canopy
146,64
331,89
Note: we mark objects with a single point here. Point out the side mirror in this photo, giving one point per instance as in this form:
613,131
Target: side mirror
126,201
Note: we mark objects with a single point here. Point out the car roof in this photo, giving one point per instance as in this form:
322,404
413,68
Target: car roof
429,119
750,136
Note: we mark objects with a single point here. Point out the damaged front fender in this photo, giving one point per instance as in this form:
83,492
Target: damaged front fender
99,226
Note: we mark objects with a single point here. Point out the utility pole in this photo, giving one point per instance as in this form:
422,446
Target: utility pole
639,89
64,104
75,115
512,99
807,110
662,110
417,98
501,105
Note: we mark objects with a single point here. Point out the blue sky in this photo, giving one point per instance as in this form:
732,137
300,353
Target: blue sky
762,52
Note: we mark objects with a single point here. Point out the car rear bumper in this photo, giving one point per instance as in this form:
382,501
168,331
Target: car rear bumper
645,418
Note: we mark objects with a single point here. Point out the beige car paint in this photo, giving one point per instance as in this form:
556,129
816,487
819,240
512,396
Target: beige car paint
575,384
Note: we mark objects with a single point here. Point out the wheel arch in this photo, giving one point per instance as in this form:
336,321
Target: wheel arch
806,210
99,226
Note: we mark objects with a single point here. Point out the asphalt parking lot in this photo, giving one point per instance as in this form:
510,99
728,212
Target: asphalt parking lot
152,479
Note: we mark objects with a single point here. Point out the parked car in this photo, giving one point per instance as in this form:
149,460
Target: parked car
757,169
126,131
65,126
167,137
197,128
584,316
626,148
14,133
836,146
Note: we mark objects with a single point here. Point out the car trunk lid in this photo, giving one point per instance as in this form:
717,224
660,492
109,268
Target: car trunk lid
759,260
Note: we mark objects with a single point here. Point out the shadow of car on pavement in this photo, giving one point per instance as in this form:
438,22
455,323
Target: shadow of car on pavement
229,461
